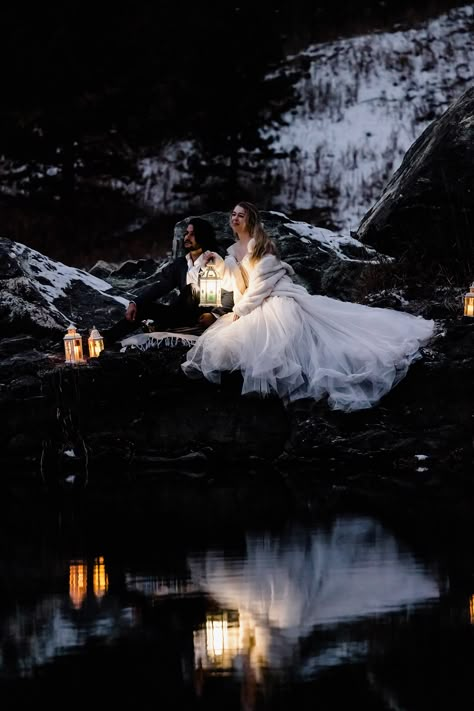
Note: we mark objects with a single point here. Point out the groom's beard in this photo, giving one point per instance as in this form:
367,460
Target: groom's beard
189,247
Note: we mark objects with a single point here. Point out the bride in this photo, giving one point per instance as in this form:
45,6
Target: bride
289,343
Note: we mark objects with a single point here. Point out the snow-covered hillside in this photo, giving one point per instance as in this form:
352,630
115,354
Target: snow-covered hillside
363,101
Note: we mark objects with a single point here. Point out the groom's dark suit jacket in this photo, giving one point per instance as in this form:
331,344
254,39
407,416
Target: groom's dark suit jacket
173,276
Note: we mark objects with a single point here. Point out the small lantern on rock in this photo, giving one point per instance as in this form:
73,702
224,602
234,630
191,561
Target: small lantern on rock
209,286
469,301
73,346
95,343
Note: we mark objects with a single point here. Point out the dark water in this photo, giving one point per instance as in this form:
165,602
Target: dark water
335,614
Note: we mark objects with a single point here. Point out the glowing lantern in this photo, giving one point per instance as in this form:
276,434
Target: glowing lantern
209,286
73,346
469,301
95,342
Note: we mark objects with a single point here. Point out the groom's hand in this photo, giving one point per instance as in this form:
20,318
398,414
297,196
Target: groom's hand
206,320
131,312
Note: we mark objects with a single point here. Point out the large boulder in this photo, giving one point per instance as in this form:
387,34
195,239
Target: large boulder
40,296
426,211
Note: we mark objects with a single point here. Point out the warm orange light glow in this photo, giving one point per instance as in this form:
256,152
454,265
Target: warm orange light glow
101,579
73,346
77,583
95,343
469,302
79,576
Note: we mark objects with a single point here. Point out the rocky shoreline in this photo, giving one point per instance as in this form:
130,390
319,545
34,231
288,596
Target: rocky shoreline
132,422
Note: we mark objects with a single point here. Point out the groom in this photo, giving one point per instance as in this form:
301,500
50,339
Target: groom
181,274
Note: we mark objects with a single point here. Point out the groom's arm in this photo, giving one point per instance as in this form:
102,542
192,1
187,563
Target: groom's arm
167,280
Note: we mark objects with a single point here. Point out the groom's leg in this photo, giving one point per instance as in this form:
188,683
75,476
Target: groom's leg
164,317
123,328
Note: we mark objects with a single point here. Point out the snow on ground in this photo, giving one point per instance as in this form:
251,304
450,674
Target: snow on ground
329,241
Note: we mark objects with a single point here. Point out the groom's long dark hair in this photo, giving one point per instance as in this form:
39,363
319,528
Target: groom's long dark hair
204,234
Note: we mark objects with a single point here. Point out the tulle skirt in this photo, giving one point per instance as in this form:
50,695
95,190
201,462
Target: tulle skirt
312,347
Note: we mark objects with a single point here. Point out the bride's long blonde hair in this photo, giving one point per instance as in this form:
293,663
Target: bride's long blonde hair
263,243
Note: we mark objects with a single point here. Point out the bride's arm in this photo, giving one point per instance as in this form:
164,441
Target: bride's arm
265,277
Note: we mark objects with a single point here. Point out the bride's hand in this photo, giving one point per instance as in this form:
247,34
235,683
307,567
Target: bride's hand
236,317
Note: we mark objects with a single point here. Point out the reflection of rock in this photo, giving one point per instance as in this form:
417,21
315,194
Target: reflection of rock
293,585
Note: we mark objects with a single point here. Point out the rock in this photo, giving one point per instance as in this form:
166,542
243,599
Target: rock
140,269
136,402
17,344
134,416
426,211
40,297
101,270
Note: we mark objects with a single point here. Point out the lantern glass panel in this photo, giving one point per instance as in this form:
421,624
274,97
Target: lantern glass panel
469,302
73,346
95,343
209,287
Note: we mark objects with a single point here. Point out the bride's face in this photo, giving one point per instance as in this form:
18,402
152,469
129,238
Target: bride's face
238,219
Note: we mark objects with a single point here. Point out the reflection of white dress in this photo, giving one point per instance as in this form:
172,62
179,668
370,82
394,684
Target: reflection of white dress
286,586
296,345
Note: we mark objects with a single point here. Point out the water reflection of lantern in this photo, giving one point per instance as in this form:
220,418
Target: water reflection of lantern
209,287
95,343
469,301
471,609
73,346
101,580
77,583
229,636
218,642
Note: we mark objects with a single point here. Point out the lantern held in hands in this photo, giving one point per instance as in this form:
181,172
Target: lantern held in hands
209,286
73,346
95,343
469,301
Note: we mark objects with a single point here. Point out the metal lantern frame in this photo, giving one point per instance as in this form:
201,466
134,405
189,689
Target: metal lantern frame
73,346
95,343
469,302
209,286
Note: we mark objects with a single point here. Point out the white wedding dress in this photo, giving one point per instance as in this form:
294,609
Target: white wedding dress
297,345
